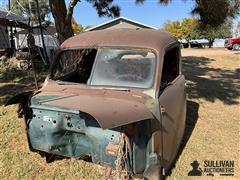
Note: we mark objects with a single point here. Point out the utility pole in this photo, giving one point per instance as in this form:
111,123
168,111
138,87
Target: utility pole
11,29
34,11
41,31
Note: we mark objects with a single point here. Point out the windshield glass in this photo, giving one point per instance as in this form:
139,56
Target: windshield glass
124,67
106,67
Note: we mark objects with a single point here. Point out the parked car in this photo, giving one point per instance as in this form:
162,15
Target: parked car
233,44
195,44
116,96
200,43
184,43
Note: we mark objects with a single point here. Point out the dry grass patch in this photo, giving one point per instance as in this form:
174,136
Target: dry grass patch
213,83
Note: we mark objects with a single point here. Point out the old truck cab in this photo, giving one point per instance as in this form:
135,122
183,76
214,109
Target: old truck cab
115,96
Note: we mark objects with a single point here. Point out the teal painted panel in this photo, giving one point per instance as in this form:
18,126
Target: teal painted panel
71,135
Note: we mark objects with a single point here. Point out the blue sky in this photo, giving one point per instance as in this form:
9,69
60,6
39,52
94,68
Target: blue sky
151,12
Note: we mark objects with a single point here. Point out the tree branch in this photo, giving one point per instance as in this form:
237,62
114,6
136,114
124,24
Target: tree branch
71,6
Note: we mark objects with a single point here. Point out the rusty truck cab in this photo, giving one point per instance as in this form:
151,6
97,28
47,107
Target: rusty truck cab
117,96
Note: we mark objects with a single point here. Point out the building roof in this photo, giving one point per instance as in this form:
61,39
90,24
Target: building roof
119,19
11,19
139,38
49,30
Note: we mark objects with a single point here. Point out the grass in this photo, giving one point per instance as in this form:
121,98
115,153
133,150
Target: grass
14,81
213,84
212,131
17,162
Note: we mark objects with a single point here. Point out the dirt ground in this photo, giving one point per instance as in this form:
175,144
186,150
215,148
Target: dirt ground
212,130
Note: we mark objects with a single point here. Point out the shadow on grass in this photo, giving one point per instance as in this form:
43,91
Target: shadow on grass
14,81
210,83
191,120
11,74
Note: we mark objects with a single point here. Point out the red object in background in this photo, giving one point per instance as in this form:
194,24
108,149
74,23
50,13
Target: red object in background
233,44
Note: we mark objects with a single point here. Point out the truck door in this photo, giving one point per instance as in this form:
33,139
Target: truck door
172,100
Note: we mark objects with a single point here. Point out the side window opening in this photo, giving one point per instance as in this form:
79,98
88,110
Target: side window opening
74,65
170,67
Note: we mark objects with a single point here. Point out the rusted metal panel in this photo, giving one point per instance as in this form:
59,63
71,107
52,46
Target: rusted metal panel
109,108
141,38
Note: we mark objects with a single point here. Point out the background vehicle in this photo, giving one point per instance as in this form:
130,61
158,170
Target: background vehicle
201,43
233,44
195,44
184,43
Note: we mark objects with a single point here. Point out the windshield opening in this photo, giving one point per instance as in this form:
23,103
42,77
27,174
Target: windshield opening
117,67
74,65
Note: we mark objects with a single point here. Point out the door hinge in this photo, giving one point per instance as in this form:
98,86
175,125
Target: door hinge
162,109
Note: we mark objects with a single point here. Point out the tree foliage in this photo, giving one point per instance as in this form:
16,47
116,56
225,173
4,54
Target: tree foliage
105,8
211,33
190,29
174,27
184,29
187,28
215,12
78,28
28,8
236,30
211,12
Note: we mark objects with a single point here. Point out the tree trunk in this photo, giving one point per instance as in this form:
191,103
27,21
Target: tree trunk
63,16
189,44
62,19
210,42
